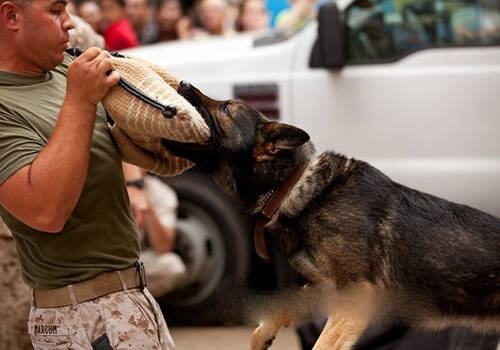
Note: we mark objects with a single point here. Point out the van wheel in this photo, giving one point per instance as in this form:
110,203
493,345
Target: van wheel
213,240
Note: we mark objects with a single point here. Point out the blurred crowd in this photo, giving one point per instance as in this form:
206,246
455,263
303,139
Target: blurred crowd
130,23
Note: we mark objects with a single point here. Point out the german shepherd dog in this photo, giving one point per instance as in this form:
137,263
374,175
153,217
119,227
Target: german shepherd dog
368,246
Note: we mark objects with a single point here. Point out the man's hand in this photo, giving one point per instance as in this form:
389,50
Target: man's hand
140,205
90,76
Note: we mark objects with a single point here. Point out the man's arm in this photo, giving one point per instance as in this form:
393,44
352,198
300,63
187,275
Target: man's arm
138,202
161,237
44,193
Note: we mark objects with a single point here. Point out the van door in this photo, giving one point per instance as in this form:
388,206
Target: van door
418,95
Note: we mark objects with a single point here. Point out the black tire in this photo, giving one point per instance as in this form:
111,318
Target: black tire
227,247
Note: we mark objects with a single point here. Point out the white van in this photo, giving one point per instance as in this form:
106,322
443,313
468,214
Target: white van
411,86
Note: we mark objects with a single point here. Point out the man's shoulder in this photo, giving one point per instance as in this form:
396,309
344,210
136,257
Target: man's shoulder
63,67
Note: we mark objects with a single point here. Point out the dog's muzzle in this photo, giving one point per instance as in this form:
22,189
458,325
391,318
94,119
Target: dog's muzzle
192,95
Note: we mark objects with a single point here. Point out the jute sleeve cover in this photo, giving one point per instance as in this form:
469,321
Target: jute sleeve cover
139,127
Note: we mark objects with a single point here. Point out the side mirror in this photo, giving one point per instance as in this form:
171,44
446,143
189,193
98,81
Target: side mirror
328,50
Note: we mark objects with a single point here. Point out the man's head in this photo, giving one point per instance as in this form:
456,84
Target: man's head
138,12
112,10
90,11
212,14
253,15
34,33
168,14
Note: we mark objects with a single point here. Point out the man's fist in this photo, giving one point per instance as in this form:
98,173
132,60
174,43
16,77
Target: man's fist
90,76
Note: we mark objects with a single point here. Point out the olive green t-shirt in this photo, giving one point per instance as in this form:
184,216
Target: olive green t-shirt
101,234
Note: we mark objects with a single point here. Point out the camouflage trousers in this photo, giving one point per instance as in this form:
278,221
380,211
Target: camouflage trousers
14,296
128,320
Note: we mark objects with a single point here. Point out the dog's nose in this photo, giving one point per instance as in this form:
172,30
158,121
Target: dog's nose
184,86
188,91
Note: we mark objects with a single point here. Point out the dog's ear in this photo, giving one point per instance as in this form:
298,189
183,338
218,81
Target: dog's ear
278,137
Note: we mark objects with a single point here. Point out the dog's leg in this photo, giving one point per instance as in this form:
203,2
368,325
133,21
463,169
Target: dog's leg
339,334
265,333
349,318
283,309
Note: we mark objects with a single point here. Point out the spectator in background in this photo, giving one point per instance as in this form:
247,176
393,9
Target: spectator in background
83,35
90,11
253,15
164,268
474,24
119,33
172,24
141,16
295,17
156,219
213,16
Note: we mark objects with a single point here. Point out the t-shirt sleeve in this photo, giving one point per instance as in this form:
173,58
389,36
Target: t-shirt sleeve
19,146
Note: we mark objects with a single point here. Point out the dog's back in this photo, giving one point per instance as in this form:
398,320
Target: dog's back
447,254
435,258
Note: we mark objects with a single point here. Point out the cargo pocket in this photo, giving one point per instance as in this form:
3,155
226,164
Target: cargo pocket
102,343
142,304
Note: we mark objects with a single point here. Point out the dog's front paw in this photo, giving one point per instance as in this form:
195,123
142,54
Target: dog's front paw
263,336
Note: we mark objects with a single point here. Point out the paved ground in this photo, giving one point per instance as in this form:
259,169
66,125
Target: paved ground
228,338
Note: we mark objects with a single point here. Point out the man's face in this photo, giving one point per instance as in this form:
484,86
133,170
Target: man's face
168,15
137,12
91,13
111,11
43,33
212,14
254,15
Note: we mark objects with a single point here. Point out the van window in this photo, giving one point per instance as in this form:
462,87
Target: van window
385,30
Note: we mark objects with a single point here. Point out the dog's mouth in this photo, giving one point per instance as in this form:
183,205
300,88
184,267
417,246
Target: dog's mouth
192,95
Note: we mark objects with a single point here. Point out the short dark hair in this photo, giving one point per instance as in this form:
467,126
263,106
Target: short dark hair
159,4
21,3
120,3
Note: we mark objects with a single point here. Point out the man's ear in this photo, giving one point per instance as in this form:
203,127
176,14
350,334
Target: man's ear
278,137
9,15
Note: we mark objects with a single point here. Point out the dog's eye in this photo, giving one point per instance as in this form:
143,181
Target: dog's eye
225,107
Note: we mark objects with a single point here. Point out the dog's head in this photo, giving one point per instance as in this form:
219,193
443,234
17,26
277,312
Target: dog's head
248,154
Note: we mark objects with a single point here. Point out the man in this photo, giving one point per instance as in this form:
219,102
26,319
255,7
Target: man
157,225
83,35
119,33
297,15
252,16
140,15
90,11
213,16
62,190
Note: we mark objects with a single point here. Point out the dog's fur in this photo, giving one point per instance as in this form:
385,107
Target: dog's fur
368,246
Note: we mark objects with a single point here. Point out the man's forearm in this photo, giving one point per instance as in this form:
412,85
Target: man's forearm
162,238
